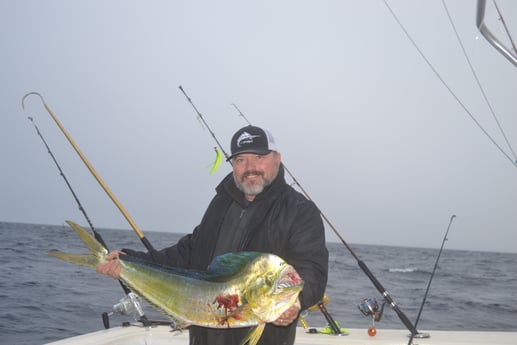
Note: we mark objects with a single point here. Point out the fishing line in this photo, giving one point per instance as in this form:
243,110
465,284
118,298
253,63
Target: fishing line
361,264
432,275
514,163
104,186
478,81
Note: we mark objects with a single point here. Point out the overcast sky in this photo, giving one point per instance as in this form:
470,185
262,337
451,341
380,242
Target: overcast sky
362,122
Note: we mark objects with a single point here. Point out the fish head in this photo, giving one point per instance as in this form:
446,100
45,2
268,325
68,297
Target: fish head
274,287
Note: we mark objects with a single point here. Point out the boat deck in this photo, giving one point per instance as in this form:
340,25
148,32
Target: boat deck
163,335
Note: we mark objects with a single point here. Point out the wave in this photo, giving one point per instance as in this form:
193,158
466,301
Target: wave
403,270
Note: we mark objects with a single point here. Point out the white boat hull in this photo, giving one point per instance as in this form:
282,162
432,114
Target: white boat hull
135,334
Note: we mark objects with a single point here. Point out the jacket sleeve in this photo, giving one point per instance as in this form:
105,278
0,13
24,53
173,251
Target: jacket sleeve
307,252
185,252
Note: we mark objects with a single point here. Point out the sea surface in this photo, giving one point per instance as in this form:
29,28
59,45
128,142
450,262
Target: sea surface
44,299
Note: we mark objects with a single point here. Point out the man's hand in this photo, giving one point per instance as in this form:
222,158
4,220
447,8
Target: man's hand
289,315
111,266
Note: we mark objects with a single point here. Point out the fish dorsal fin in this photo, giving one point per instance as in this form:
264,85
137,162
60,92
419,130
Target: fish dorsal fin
166,269
229,264
222,267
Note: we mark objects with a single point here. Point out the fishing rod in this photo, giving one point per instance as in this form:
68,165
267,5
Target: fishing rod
361,263
97,236
321,304
202,119
431,278
132,301
104,186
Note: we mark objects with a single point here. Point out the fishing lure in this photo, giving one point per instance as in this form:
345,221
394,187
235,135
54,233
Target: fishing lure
217,161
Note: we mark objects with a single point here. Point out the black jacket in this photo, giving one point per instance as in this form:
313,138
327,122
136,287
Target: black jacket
280,221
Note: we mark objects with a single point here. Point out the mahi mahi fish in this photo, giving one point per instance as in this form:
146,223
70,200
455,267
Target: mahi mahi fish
243,289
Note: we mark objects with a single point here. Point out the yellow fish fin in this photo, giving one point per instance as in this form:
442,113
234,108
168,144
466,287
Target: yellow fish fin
218,160
87,260
97,251
254,335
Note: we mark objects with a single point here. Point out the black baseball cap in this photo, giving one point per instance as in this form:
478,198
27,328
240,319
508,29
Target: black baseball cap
251,139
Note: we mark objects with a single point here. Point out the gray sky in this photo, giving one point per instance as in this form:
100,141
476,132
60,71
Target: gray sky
362,122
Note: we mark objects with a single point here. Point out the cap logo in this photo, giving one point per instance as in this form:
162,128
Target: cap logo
245,139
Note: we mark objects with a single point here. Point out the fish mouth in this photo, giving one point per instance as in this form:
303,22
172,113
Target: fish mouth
289,278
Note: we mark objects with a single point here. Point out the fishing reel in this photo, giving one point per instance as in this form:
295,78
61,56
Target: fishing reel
129,305
370,307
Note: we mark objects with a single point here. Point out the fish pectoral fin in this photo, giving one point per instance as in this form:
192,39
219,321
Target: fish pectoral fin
254,335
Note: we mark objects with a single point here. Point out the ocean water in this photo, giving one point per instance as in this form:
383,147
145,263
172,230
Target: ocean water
44,299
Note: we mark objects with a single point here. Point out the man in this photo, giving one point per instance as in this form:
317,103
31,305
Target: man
254,209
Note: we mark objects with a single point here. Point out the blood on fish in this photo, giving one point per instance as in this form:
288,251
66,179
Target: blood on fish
230,304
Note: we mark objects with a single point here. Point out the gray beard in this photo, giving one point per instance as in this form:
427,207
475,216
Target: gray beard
252,189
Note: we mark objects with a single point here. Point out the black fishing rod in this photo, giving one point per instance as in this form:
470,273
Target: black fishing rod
97,236
133,301
360,262
431,277
104,186
202,119
321,304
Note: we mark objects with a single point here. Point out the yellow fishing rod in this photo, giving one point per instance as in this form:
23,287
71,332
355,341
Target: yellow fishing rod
90,167
130,301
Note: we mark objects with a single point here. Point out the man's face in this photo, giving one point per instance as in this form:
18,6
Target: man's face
253,172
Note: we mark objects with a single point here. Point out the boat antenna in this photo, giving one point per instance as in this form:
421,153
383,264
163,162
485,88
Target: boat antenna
431,277
96,234
361,263
104,186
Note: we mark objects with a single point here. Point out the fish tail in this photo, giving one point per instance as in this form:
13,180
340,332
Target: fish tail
254,335
94,258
